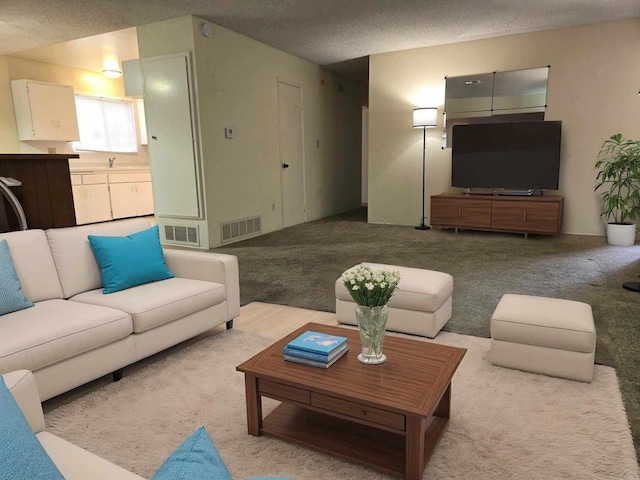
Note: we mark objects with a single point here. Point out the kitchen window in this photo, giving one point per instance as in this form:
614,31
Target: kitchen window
106,125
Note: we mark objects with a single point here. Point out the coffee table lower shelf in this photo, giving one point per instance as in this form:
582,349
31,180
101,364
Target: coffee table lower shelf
372,447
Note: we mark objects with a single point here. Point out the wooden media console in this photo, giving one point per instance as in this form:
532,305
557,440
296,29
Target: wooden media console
540,214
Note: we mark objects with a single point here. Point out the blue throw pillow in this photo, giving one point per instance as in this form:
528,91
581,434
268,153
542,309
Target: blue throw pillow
11,297
129,261
196,459
21,455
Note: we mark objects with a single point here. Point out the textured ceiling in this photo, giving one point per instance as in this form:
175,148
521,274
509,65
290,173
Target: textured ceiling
322,31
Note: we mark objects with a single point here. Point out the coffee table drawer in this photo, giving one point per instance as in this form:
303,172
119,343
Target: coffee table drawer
285,392
356,410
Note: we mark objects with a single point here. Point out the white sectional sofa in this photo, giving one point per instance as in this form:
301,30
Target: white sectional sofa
72,461
74,333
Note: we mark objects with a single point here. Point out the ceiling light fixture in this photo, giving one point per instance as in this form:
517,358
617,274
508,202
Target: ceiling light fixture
111,73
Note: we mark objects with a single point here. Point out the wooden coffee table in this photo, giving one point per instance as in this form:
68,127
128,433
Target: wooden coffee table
388,417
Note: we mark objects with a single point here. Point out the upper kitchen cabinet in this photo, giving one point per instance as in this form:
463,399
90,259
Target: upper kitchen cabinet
44,111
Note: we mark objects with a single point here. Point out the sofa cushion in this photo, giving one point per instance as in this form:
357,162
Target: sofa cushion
58,329
21,455
73,257
130,260
11,297
154,304
34,264
196,458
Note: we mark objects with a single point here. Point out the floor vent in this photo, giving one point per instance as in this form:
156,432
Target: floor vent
240,228
182,234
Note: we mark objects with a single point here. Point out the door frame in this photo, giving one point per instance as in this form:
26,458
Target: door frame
304,170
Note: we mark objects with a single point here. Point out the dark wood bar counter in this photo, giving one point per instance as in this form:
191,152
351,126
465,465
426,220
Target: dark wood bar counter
45,194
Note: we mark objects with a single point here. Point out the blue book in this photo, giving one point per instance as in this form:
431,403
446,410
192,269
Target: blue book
318,357
317,342
313,363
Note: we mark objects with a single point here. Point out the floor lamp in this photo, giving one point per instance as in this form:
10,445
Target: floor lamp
424,118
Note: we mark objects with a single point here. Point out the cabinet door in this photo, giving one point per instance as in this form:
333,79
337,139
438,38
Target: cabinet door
526,216
461,212
123,200
144,198
65,112
79,203
43,112
91,203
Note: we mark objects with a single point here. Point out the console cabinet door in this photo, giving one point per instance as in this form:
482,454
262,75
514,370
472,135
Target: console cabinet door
461,212
524,216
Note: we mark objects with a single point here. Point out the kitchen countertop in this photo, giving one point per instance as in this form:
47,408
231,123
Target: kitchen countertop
99,169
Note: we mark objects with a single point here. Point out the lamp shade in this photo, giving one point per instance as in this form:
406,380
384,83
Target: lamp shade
425,117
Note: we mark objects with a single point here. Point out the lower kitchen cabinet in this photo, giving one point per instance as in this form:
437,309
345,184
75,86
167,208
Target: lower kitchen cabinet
100,197
92,203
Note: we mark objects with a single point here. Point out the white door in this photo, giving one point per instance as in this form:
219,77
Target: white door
171,131
291,153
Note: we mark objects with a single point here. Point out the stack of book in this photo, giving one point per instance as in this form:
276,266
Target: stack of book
316,349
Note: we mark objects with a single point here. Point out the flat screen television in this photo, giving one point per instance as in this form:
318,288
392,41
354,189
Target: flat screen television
510,156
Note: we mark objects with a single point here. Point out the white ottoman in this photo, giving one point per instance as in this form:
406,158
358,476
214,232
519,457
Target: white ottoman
544,335
420,306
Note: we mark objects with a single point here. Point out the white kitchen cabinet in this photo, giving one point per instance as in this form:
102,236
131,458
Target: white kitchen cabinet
44,111
131,194
91,198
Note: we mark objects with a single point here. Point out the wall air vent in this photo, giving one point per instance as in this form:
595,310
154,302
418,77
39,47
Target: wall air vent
240,228
182,234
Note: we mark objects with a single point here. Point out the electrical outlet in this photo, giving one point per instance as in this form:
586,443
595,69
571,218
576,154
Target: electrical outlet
51,150
229,132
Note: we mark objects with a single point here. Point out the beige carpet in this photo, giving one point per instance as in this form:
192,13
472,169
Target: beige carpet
505,424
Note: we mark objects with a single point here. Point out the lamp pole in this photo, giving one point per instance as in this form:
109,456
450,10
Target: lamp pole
424,118
422,226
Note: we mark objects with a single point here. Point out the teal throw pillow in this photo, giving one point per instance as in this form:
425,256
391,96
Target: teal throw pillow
21,455
129,261
196,459
11,297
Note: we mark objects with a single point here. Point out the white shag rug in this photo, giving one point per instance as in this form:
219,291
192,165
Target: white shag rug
505,424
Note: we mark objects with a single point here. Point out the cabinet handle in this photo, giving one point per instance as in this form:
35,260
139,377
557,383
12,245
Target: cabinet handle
459,212
524,216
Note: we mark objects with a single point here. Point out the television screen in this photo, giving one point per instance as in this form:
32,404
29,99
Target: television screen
512,156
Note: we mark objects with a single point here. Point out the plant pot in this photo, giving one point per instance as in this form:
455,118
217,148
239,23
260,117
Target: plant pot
372,322
623,235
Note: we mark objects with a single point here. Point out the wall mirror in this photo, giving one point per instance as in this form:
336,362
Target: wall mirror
517,95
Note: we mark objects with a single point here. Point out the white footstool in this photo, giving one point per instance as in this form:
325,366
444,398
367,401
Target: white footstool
420,306
544,335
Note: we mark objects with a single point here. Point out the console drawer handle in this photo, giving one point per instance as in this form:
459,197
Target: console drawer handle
524,216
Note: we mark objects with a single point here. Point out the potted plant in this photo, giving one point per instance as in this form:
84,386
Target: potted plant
618,182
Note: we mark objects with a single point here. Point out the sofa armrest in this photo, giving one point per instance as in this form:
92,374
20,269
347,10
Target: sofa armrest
23,387
211,267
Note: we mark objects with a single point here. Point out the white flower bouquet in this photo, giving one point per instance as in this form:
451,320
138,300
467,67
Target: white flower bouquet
370,288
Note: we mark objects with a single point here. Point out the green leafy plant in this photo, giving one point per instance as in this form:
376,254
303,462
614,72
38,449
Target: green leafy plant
370,288
618,179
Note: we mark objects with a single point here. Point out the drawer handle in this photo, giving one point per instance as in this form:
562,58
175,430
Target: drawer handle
364,412
459,211
524,216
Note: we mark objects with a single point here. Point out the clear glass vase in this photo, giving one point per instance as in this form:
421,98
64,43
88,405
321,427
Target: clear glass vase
372,322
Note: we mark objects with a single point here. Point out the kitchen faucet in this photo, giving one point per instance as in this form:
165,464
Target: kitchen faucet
111,160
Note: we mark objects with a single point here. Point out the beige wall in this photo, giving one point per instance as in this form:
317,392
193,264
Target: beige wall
236,86
593,88
82,81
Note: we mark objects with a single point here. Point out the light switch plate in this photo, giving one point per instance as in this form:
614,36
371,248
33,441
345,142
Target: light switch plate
229,132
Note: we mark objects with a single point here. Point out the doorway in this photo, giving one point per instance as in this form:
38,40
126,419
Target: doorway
290,128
